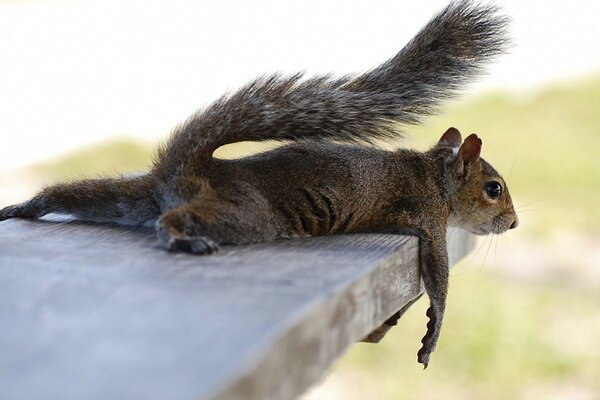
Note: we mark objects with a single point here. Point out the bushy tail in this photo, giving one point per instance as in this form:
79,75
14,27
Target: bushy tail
435,65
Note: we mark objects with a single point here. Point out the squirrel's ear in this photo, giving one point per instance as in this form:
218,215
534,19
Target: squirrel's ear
468,153
451,138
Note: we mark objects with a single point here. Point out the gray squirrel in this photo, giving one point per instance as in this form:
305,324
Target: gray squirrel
327,181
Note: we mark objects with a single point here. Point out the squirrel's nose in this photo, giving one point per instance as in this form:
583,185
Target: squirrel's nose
515,223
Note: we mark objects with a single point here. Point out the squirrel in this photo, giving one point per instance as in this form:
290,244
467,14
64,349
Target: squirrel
329,180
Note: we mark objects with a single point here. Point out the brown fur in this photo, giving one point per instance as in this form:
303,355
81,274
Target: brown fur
197,202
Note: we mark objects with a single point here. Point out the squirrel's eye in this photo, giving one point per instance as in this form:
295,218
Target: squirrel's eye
493,189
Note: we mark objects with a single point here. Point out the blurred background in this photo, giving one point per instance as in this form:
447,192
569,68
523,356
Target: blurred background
91,87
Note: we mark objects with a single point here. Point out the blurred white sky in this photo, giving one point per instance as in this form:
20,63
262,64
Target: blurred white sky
77,72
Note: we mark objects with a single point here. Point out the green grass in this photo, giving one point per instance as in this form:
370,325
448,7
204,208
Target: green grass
112,158
500,338
105,159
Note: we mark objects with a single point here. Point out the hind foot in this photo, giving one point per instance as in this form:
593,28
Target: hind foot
23,210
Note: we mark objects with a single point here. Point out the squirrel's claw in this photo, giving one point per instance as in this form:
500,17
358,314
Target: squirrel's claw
200,245
430,339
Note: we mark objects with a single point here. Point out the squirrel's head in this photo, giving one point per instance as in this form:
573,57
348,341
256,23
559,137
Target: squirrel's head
480,199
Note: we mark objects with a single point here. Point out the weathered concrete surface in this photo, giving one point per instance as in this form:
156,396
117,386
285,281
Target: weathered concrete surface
98,312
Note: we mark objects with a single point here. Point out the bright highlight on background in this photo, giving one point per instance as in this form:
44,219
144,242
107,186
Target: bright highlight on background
77,72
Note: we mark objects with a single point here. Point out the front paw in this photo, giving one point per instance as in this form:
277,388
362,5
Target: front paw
195,244
175,241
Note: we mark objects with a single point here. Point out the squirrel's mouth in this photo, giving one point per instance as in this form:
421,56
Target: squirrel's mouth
480,230
486,229
499,224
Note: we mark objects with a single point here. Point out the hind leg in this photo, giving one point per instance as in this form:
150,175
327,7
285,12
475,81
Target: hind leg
127,201
200,226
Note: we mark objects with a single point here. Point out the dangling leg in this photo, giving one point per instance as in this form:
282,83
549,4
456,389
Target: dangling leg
435,274
433,260
126,200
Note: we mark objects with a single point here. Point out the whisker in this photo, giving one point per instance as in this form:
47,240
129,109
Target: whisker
487,252
511,168
483,242
529,203
496,249
526,211
478,249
